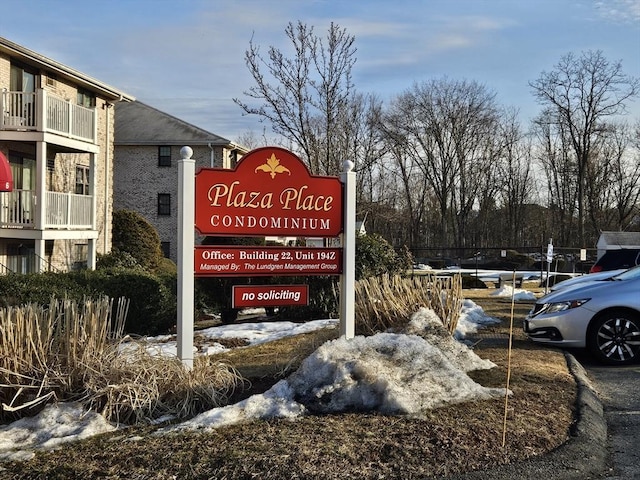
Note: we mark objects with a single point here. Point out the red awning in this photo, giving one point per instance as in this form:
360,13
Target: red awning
6,178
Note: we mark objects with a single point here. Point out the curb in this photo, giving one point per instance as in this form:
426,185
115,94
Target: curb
583,456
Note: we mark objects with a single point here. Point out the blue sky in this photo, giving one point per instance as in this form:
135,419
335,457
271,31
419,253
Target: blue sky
186,57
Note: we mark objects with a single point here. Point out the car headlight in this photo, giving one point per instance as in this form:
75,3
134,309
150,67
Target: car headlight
562,306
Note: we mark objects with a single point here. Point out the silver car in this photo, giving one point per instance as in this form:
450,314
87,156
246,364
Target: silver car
589,277
603,316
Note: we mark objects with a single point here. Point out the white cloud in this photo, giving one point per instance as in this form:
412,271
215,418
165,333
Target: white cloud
623,11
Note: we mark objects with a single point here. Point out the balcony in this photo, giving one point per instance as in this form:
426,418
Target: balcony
63,211
42,111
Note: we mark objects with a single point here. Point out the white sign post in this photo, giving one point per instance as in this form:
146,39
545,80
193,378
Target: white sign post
348,277
549,261
186,239
188,220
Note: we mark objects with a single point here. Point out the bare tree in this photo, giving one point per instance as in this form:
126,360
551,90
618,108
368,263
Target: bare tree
358,139
400,168
306,97
623,158
250,139
557,162
515,176
579,94
448,129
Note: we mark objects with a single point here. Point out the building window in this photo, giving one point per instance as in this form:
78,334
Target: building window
164,204
22,79
81,255
164,156
86,99
82,180
22,108
166,249
233,158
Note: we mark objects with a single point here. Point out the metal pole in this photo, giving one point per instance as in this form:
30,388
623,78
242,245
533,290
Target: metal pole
186,240
348,277
477,253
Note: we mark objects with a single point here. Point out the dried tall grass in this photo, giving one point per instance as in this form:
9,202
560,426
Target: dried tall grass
72,351
135,386
44,349
387,302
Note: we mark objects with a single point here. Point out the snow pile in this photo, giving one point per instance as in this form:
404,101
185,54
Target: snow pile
391,373
517,293
429,326
277,402
253,333
56,424
471,318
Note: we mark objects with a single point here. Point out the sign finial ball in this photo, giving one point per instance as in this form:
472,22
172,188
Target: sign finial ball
348,165
186,152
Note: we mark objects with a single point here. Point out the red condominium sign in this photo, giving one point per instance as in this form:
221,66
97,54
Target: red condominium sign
270,192
252,261
269,295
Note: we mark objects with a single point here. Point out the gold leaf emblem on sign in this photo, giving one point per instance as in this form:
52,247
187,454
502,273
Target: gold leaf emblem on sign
273,166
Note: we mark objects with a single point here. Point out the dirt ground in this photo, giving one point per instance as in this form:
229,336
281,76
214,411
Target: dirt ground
446,441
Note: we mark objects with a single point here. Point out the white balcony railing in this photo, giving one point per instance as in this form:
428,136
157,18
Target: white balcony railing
16,208
62,210
68,210
46,112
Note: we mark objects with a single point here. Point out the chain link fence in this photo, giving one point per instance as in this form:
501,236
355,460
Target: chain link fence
564,259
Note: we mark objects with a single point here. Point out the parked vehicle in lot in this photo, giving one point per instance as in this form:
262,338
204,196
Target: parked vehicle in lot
603,316
617,259
584,279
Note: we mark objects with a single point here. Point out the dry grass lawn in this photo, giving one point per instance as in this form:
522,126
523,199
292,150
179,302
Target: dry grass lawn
351,446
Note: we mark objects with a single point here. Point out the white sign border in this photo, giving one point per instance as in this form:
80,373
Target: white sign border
186,260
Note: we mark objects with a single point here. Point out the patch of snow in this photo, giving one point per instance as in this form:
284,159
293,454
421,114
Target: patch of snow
517,293
54,425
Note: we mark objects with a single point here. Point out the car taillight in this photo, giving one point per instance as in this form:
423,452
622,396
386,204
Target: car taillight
595,269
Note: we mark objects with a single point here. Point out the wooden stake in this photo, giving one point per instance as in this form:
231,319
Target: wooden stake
506,391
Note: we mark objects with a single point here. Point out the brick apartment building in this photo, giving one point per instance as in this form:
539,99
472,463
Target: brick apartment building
147,149
56,139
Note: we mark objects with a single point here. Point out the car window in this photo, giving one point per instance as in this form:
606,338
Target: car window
628,274
623,258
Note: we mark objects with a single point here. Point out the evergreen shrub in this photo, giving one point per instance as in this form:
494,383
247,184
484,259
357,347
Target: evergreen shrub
39,288
152,308
133,234
375,256
153,304
119,259
471,281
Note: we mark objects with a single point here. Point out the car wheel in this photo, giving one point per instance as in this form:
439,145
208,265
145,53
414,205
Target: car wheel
614,338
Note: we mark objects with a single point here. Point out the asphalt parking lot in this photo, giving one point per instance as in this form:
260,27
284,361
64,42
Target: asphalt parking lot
618,390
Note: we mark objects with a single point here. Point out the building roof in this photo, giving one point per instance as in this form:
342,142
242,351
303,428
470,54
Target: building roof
36,60
140,124
620,239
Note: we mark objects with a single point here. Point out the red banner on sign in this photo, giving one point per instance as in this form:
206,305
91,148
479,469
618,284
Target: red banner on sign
269,295
270,192
242,261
